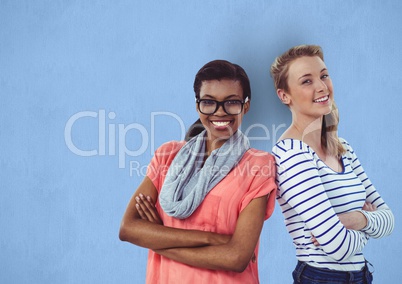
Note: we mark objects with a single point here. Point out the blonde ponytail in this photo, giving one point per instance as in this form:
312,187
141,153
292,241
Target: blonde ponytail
329,133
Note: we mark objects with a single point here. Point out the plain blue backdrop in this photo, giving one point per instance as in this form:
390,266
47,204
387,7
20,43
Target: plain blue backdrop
89,89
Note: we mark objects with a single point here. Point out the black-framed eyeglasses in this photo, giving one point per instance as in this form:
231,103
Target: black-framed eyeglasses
231,107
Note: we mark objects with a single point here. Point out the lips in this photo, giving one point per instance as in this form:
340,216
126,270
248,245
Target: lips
220,123
322,99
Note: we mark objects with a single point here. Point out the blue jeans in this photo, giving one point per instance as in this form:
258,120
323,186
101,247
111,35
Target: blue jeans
306,274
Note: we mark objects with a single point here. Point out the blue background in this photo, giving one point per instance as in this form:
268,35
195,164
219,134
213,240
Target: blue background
127,62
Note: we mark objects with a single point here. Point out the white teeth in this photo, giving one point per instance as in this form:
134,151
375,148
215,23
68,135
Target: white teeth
320,100
220,123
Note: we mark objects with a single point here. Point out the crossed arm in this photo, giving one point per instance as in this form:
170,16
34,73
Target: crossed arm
142,226
375,218
356,220
353,220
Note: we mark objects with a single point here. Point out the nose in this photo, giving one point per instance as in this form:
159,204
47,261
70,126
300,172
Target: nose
220,110
321,86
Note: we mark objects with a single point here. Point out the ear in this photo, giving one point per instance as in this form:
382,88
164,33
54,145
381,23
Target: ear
246,107
283,96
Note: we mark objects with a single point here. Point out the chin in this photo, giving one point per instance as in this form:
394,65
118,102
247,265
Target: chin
221,134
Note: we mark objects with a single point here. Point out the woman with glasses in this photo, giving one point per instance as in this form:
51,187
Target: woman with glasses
201,207
331,208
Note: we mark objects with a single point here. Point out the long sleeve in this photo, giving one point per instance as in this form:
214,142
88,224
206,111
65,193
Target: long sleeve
380,223
303,194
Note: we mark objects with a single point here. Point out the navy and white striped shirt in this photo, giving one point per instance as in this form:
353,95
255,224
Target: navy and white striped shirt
311,195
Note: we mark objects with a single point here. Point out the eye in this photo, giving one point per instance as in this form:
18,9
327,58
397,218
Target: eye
308,81
208,102
232,102
325,76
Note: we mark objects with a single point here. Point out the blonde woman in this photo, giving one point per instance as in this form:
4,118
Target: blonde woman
330,207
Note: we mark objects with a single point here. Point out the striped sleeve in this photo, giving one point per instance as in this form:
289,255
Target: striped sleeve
303,194
380,223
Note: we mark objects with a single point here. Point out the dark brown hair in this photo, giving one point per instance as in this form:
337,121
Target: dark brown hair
220,70
217,70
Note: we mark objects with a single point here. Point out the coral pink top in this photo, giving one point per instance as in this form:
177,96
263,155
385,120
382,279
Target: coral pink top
253,177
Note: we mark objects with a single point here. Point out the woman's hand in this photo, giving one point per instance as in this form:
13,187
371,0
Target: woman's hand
232,253
142,225
352,220
356,220
146,209
369,207
314,241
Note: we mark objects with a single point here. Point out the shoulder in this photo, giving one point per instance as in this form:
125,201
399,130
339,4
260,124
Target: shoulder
291,145
256,167
344,142
257,161
258,157
169,149
347,146
292,151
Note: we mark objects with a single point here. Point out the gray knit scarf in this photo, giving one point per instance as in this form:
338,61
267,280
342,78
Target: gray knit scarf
189,180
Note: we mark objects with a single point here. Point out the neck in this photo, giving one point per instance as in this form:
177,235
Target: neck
213,144
309,131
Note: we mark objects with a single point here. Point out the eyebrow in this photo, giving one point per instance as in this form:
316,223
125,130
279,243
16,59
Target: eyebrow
226,98
306,75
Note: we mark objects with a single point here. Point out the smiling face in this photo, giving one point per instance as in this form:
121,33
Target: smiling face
220,125
309,93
